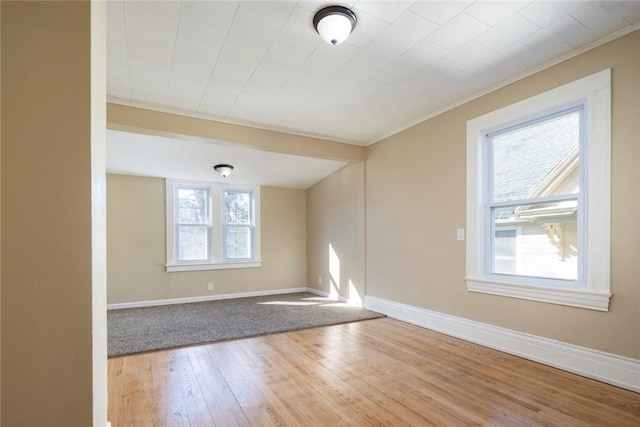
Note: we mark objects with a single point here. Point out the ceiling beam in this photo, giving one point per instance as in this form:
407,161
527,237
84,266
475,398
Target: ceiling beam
141,120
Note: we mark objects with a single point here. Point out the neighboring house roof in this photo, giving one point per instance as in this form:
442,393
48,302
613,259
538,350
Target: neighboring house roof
525,159
533,162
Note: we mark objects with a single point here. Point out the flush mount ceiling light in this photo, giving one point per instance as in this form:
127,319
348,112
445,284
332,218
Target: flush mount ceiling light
223,170
334,23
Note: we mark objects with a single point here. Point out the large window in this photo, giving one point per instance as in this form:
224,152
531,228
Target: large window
192,223
534,177
210,226
238,224
538,197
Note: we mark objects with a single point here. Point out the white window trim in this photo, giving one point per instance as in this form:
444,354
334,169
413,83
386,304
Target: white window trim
216,262
595,293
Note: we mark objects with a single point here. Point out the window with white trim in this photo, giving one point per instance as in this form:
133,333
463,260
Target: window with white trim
538,197
192,223
533,176
238,224
212,226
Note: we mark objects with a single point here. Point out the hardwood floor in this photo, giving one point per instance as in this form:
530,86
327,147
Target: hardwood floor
378,372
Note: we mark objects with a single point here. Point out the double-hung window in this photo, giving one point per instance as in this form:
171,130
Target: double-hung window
538,197
533,176
212,226
192,223
238,224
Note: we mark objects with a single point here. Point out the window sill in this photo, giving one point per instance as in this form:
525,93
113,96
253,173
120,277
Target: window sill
211,266
575,298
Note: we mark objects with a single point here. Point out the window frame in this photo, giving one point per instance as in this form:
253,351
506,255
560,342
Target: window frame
216,232
177,225
490,204
251,224
593,291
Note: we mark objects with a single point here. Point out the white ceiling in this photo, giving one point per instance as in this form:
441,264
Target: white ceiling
156,156
260,63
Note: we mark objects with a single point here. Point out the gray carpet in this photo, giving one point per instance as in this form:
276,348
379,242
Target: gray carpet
135,330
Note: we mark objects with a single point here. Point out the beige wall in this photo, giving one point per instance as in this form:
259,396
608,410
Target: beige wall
49,332
412,215
0,216
335,224
137,252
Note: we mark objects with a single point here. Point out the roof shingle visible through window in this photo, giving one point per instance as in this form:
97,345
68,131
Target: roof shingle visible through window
524,157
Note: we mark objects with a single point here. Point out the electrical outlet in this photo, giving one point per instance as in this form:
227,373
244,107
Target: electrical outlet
319,280
210,286
460,233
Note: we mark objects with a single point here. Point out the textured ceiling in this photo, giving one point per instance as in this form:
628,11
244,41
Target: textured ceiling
260,63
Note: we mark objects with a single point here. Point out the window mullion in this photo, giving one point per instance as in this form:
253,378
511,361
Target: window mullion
533,201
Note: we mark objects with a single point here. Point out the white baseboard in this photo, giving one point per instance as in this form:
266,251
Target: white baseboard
205,298
610,368
327,295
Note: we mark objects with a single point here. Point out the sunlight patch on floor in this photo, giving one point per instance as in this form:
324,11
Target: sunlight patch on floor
319,299
341,305
288,303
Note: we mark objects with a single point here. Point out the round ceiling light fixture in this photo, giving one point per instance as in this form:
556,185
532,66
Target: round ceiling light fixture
223,169
334,23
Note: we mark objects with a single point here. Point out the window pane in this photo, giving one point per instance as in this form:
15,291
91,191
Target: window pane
537,160
237,242
544,245
192,206
505,245
504,250
237,207
192,243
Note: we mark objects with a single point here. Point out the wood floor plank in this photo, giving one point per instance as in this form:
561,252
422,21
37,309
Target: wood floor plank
131,393
151,408
378,372
290,386
451,384
174,408
195,404
331,374
114,392
251,391
518,376
305,380
219,399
